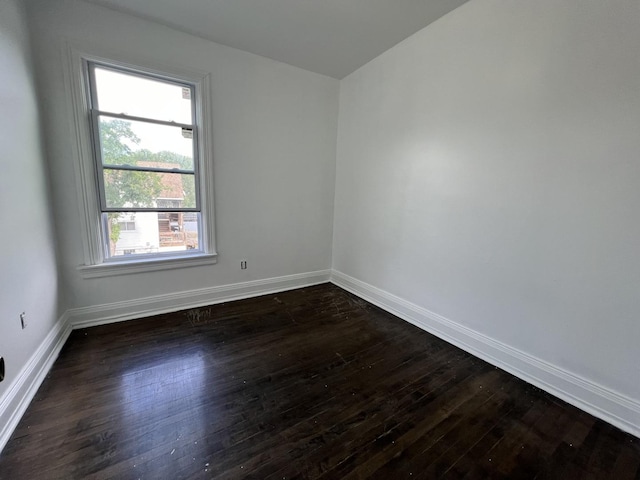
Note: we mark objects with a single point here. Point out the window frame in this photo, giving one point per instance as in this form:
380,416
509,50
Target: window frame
96,113
96,263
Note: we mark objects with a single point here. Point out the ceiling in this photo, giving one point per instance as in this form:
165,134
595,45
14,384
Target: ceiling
331,37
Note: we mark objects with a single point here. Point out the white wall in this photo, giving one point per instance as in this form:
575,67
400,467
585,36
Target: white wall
489,171
274,132
27,249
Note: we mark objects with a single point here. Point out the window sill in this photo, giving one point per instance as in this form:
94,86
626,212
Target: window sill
109,269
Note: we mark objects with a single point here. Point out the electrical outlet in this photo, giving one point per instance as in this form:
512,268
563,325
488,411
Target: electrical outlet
243,264
23,320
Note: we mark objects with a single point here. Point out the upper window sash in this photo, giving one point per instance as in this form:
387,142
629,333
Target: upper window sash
187,93
122,74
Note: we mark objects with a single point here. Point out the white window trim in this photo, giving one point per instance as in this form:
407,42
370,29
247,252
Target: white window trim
95,264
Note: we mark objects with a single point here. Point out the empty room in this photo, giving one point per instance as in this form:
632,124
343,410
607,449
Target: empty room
320,239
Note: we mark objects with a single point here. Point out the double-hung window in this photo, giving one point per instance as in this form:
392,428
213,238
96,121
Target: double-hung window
147,168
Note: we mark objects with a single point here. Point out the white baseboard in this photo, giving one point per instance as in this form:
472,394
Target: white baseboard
612,407
144,307
24,387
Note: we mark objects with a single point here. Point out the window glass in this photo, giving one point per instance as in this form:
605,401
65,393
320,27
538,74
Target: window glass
155,233
140,189
127,142
136,96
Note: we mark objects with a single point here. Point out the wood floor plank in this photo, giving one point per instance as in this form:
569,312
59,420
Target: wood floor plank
311,383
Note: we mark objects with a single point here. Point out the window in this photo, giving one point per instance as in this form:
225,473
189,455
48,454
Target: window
127,226
147,164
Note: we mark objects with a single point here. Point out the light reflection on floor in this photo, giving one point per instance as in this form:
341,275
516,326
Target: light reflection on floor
151,387
165,392
161,399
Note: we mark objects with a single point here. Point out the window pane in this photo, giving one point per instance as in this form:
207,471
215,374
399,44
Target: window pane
126,188
119,92
126,142
127,226
161,232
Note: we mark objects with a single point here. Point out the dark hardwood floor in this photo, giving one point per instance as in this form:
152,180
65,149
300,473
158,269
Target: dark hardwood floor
311,383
